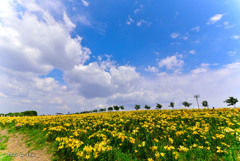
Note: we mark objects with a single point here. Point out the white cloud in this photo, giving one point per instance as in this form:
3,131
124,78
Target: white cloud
203,68
235,37
174,35
171,62
85,3
36,43
192,52
227,25
94,81
215,18
140,22
197,28
3,95
151,69
130,20
232,53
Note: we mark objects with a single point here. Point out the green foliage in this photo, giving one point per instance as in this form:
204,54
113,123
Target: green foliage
25,113
231,101
158,106
172,104
122,107
186,104
205,103
147,107
102,109
137,107
110,108
116,108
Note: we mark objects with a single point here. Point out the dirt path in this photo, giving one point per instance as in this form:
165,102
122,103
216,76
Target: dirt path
17,148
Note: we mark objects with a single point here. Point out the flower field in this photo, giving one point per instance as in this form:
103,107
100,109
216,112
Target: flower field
204,134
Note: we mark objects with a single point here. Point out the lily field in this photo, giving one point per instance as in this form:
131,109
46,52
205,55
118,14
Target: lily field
205,134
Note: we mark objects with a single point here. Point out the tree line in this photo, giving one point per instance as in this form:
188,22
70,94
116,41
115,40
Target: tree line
25,113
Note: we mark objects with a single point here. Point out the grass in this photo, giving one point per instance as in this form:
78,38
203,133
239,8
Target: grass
36,140
3,146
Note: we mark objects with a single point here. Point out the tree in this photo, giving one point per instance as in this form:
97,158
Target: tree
102,109
231,101
205,104
110,108
186,104
158,106
172,104
137,107
116,108
122,107
147,107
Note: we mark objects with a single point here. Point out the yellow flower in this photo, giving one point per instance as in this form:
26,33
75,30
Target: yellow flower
162,154
154,148
150,159
87,157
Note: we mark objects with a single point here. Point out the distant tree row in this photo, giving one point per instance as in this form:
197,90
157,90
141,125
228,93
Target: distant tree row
25,113
231,101
103,109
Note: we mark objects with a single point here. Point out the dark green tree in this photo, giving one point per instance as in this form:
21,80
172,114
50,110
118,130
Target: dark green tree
158,106
205,104
172,104
137,107
231,101
116,108
147,107
110,108
186,104
122,107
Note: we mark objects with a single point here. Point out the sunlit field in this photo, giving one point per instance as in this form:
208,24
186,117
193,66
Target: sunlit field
204,134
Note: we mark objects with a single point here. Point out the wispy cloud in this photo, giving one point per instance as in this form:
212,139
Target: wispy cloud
85,3
192,52
232,53
215,18
227,25
130,20
139,23
235,37
174,35
197,28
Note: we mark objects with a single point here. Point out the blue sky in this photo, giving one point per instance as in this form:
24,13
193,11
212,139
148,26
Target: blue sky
60,56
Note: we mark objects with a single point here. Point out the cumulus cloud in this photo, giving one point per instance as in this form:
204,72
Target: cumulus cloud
172,62
203,68
215,18
94,81
37,42
151,69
